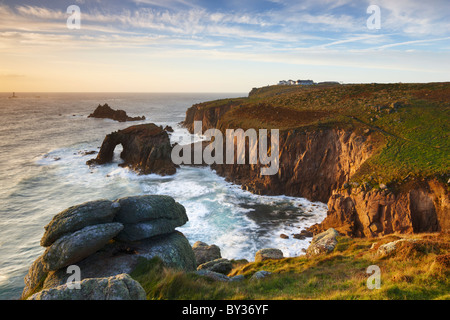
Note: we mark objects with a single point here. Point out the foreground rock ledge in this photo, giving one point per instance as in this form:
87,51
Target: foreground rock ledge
120,287
102,250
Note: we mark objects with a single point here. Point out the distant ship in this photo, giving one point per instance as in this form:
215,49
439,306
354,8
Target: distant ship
13,96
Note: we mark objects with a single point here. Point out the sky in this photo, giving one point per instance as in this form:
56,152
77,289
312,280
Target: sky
219,46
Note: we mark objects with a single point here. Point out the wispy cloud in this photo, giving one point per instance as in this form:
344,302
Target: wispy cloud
302,34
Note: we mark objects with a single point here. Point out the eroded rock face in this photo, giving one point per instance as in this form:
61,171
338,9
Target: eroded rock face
106,112
312,162
120,287
146,149
356,213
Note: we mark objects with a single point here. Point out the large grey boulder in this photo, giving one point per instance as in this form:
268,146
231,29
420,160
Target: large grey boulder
205,253
268,253
173,249
148,216
323,243
260,275
149,229
120,287
76,246
78,217
223,266
216,276
105,239
116,258
148,208
390,247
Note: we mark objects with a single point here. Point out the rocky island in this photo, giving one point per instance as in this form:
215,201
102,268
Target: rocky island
146,149
106,112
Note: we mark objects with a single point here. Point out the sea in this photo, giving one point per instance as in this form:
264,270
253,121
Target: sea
44,141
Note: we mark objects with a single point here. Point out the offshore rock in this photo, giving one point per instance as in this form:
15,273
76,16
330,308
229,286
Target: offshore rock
146,150
120,287
106,112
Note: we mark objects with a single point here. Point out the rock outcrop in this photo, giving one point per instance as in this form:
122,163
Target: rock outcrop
120,287
79,245
223,266
101,244
146,149
205,253
106,112
145,217
268,253
323,243
423,207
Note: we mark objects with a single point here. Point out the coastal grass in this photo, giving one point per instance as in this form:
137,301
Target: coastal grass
408,123
417,270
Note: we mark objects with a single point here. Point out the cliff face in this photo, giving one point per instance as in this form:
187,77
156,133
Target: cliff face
311,165
315,164
421,208
210,117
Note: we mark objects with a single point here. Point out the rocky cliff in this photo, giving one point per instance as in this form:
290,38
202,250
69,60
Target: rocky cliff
420,207
317,162
312,163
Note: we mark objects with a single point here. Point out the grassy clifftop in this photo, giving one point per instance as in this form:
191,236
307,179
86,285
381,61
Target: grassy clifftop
410,122
415,270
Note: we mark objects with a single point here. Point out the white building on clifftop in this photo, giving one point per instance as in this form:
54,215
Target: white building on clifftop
296,83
